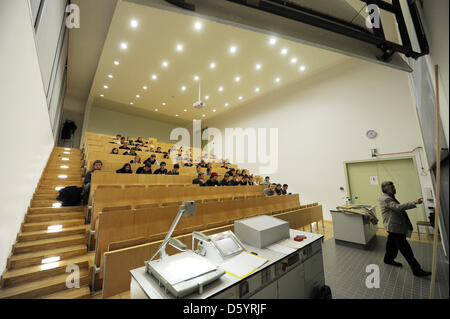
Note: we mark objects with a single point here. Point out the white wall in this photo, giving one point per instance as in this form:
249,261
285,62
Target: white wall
436,21
105,121
322,123
24,120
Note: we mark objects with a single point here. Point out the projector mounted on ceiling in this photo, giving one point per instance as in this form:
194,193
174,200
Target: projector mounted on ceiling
199,104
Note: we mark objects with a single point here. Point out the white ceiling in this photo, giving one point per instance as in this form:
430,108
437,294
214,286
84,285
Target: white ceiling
155,40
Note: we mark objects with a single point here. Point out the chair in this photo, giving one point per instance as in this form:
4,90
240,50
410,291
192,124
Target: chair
422,223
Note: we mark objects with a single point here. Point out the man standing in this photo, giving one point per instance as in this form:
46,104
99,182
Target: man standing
397,224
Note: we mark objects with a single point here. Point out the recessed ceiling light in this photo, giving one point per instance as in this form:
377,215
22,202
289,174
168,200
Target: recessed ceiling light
214,111
207,97
164,103
221,89
102,95
138,96
105,86
294,60
110,76
185,110
273,41
165,64
183,88
257,90
134,23
180,47
237,79
154,77
203,115
302,68
212,65
156,110
258,66
124,45
116,62
233,49
226,104
131,103
145,87
277,80
196,78
240,98
198,25
176,115
284,51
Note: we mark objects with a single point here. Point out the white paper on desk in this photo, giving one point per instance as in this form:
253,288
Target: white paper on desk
281,249
243,264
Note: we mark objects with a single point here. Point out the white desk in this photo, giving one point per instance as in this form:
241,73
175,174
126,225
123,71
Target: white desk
353,228
297,275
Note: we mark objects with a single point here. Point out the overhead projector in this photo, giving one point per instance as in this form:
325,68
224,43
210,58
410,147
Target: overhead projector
199,105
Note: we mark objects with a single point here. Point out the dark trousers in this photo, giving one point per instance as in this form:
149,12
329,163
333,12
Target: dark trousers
396,242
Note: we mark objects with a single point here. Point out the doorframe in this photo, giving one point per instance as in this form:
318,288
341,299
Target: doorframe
346,163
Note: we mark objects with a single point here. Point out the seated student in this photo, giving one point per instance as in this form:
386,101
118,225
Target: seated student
198,169
136,160
124,146
278,189
234,181
238,172
212,181
130,141
131,152
209,165
250,181
166,156
126,169
161,170
202,181
225,180
152,160
137,148
140,141
146,169
97,166
115,150
118,137
203,164
244,181
196,180
158,149
188,163
285,189
266,181
208,171
231,172
122,140
244,172
270,191
175,171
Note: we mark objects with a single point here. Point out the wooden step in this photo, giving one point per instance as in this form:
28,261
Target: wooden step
29,227
45,234
42,203
35,258
51,243
51,210
75,293
43,287
40,218
32,273
49,196
51,184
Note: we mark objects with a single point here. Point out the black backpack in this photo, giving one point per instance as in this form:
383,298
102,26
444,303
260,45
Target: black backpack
70,196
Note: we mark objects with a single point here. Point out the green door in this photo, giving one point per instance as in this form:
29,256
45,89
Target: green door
364,180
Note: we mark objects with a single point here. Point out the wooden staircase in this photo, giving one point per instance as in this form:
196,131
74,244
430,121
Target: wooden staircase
51,238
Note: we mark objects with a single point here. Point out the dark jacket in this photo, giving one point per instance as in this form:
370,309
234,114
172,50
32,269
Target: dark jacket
173,173
122,171
141,170
160,172
233,183
210,182
88,177
223,182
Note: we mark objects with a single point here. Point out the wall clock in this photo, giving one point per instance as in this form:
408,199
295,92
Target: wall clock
371,134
